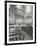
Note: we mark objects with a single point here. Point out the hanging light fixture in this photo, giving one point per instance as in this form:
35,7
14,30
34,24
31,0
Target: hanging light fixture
19,6
28,9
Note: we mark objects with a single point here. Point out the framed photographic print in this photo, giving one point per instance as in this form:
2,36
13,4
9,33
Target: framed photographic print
20,22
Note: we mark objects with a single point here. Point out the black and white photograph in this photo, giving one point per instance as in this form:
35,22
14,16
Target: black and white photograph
20,22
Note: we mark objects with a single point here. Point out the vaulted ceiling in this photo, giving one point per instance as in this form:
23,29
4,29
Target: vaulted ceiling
21,14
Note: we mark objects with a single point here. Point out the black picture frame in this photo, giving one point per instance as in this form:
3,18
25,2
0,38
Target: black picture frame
6,22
